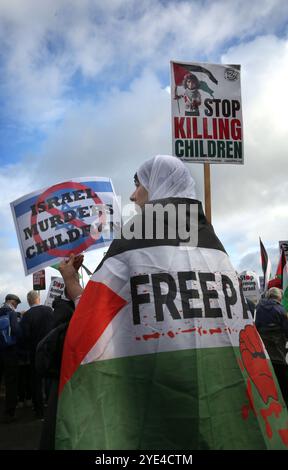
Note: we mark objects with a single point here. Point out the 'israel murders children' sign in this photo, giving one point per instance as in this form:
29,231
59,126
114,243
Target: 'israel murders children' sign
206,113
65,218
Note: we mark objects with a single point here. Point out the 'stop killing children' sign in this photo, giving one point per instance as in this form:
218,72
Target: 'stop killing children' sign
206,113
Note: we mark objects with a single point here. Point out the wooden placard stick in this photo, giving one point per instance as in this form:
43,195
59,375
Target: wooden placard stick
207,187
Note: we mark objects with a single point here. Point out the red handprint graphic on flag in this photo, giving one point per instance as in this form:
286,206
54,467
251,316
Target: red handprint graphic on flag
256,364
259,372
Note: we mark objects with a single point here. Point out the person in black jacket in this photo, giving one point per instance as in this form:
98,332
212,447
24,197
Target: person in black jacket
8,358
48,365
270,312
272,324
35,324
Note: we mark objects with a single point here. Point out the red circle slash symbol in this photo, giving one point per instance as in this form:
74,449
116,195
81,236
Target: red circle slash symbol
57,252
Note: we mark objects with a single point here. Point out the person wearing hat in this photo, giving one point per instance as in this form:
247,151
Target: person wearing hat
12,300
8,358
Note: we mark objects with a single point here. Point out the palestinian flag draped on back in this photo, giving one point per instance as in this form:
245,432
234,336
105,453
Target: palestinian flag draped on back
162,353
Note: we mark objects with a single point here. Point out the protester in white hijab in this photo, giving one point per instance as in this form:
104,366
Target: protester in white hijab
161,177
163,323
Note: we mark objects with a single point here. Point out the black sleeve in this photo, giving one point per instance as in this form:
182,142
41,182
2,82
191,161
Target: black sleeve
25,329
49,352
15,326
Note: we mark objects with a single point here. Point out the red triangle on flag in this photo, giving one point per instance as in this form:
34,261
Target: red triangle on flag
97,307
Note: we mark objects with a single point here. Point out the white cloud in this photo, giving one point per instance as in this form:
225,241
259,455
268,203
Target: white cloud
15,180
12,279
113,137
45,44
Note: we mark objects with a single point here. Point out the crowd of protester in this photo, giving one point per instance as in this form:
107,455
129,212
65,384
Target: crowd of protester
30,359
30,366
31,353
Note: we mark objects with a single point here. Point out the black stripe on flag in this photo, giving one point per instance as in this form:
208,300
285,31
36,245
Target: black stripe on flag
264,257
266,265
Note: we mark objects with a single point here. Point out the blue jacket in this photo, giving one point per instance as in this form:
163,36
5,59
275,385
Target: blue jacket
270,313
13,317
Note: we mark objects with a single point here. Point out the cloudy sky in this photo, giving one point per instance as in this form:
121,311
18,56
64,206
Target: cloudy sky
84,91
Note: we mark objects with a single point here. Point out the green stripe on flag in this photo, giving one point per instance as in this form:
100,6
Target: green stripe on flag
285,299
189,399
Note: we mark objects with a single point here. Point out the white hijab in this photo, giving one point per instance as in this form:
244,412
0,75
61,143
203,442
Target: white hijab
166,176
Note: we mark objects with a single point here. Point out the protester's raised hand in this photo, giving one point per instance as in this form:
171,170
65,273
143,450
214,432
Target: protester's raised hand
69,270
69,267
78,260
